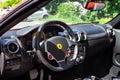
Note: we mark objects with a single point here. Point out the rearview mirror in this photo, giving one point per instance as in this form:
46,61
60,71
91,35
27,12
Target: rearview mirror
94,5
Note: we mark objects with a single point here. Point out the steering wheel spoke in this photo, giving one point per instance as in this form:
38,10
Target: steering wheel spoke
71,42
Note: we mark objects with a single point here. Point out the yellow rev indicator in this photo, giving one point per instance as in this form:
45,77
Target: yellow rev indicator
59,46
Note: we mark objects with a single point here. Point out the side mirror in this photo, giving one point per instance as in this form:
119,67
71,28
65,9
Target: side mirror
94,5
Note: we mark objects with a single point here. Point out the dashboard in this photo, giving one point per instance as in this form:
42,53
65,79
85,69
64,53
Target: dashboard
18,45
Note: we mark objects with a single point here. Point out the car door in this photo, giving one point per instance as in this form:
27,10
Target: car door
115,69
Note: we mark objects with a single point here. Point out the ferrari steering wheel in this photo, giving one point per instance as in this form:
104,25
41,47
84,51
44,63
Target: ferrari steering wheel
57,47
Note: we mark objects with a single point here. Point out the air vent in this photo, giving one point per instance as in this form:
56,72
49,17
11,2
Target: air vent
110,32
81,37
13,47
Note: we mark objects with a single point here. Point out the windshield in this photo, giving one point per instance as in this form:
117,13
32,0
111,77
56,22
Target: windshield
71,12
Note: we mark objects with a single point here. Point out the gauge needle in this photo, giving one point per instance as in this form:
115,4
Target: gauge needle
2,60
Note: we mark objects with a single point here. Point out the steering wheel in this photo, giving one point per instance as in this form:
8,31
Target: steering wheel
57,47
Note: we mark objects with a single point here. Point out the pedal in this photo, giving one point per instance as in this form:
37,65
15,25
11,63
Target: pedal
33,74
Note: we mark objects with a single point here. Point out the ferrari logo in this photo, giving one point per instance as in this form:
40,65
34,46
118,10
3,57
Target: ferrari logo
59,46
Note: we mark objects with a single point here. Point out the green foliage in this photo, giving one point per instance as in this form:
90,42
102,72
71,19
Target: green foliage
66,10
104,20
52,6
70,13
10,3
112,7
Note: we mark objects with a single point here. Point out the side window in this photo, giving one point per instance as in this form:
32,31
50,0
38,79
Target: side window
7,5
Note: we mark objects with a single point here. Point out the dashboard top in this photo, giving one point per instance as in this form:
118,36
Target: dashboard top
88,29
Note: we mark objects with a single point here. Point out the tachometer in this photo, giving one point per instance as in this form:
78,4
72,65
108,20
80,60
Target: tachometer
42,36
